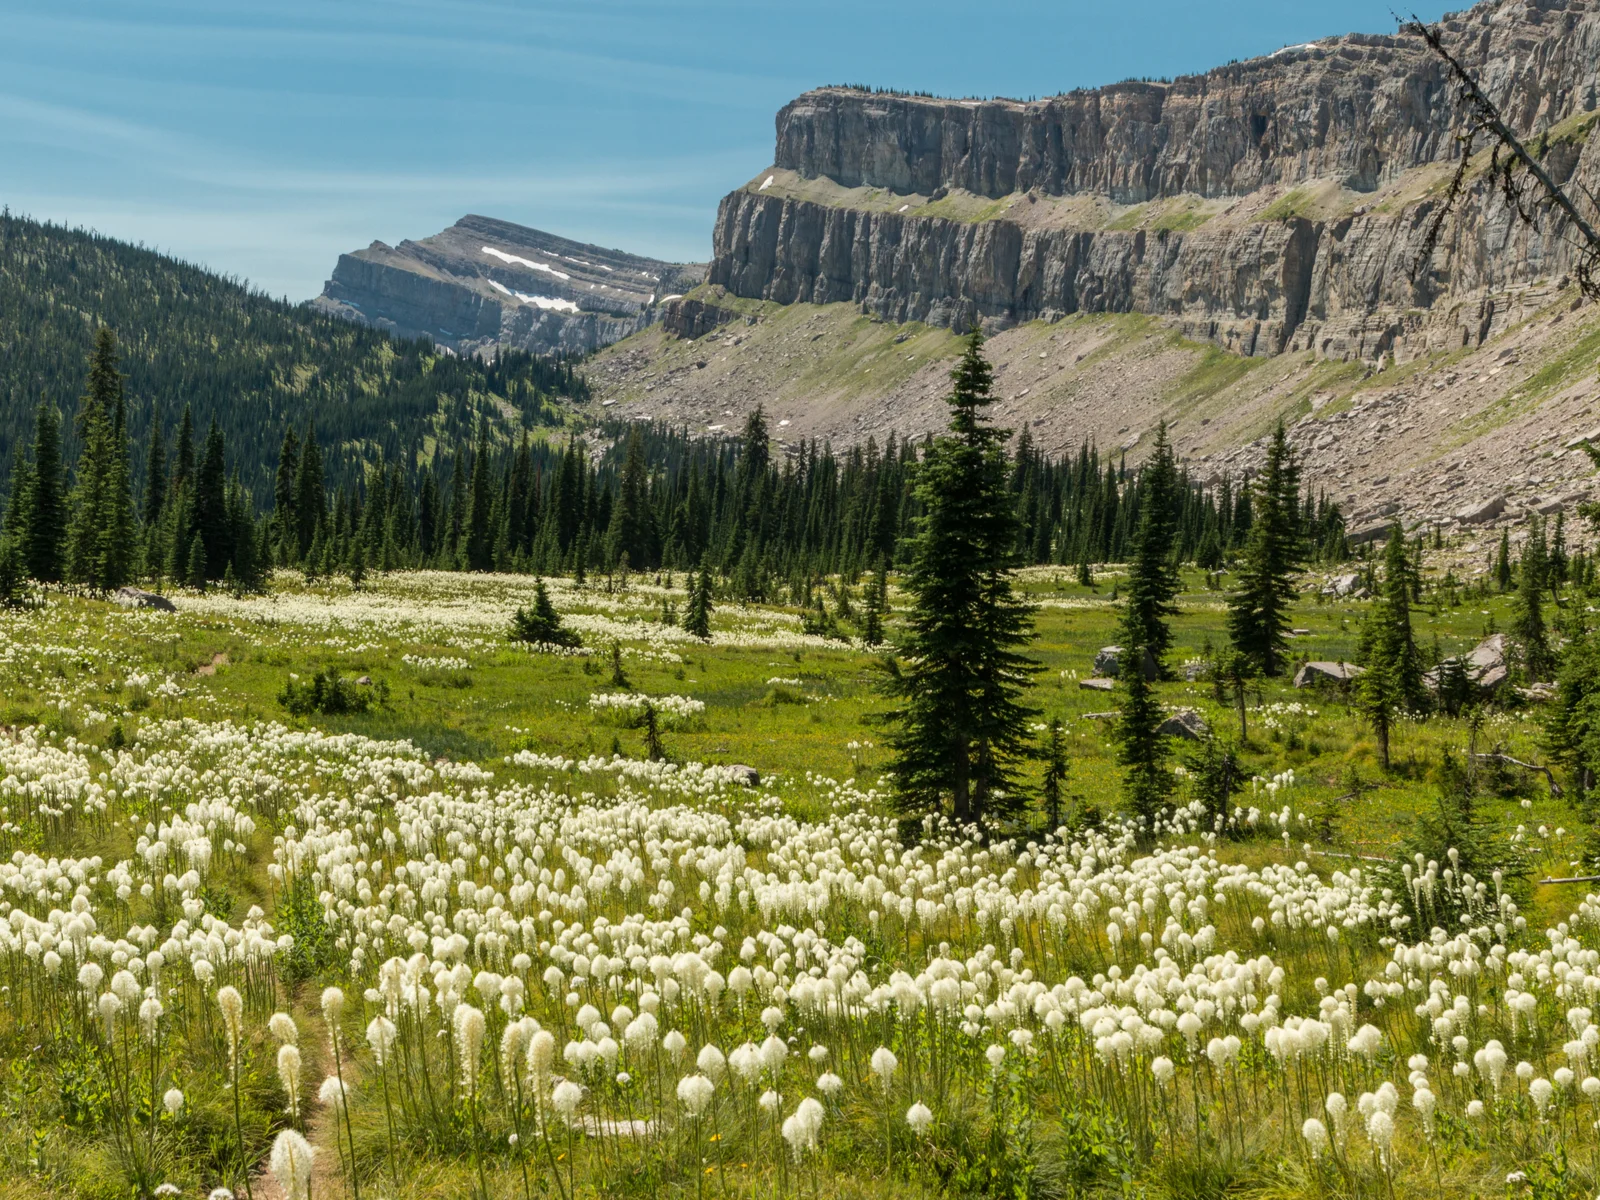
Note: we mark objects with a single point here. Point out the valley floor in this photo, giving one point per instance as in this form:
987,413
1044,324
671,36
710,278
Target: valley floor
566,970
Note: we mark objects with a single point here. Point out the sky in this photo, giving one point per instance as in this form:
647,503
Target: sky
262,138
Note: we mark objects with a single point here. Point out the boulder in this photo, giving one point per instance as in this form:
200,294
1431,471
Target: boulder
1374,532
1108,663
1483,510
1485,665
132,597
1096,685
1186,723
364,681
1343,585
745,776
1334,673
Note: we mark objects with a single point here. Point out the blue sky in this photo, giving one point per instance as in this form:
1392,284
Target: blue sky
264,137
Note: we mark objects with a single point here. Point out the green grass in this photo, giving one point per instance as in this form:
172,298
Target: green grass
800,735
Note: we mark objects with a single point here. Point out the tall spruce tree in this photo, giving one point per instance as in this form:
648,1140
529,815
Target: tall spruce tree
1258,613
961,727
1153,579
99,528
45,528
697,616
1528,629
1141,746
1392,683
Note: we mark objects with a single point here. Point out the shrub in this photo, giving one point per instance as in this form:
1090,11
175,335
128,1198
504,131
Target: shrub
329,693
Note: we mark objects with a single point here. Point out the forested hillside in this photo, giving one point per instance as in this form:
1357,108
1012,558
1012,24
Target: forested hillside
253,364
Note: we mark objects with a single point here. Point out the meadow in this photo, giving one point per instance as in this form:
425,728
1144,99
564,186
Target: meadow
470,940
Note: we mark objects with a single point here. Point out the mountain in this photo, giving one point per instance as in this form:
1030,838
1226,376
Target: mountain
254,364
484,283
1216,251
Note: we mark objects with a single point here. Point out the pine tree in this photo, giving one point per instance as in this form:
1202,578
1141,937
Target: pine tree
1258,616
1527,610
43,538
1502,562
961,726
477,553
1392,682
119,538
93,552
877,603
310,497
1153,580
1141,746
195,571
1217,776
541,626
1055,775
13,573
697,616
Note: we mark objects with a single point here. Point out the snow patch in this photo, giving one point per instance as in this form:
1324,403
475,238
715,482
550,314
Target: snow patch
549,303
902,208
674,296
766,183
525,262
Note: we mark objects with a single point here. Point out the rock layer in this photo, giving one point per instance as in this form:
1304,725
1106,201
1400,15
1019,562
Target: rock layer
1313,176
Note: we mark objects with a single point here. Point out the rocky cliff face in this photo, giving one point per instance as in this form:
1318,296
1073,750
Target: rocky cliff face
484,283
1269,206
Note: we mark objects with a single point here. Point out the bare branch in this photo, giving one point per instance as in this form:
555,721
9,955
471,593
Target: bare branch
1484,118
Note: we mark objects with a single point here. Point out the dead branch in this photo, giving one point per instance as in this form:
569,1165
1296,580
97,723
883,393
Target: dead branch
1550,776
1484,118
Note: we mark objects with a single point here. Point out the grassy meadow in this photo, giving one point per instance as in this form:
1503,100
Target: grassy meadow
565,970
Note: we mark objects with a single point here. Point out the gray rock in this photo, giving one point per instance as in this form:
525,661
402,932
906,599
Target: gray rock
1341,586
441,287
1483,510
1374,532
364,681
745,776
1186,723
1096,685
1326,673
132,597
1108,662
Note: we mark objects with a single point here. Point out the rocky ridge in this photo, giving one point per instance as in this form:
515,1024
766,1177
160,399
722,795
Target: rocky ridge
484,283
1273,206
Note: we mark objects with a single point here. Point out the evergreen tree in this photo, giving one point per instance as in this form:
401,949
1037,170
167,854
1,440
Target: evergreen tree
1527,611
876,604
45,533
541,626
1572,722
1392,682
1055,775
211,521
195,569
1258,616
1502,562
961,726
697,616
155,476
93,555
310,495
1217,776
13,573
1141,746
1153,580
